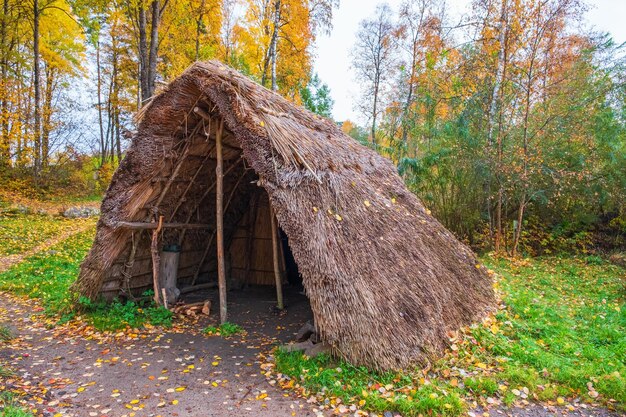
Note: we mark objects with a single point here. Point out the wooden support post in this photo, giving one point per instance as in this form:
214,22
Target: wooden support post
154,249
219,217
275,255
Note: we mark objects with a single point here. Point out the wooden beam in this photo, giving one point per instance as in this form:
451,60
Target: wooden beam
154,249
275,255
152,225
219,218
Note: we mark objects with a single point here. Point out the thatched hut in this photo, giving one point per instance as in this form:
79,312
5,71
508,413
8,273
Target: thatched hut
385,280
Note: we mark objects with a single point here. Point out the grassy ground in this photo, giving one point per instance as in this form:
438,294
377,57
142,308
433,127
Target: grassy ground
559,338
47,276
22,232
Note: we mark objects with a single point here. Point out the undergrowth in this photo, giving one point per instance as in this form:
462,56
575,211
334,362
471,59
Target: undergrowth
9,406
561,336
48,275
225,330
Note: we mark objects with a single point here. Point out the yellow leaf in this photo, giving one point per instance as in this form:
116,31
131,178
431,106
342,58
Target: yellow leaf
174,402
262,123
179,389
80,389
560,400
338,217
367,203
215,363
134,402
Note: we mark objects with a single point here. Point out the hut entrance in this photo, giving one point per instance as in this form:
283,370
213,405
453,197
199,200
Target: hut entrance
220,221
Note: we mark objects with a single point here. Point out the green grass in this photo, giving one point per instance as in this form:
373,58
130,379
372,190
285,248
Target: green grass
225,330
48,275
5,334
22,232
10,408
561,336
118,315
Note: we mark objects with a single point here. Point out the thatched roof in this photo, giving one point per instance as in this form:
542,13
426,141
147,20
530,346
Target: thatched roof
385,279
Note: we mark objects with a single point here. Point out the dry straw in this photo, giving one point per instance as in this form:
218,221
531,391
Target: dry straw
386,281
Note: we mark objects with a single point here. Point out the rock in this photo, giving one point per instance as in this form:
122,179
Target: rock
318,349
81,212
305,332
298,347
314,338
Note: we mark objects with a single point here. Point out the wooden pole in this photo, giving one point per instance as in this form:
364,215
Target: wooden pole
154,249
275,255
219,218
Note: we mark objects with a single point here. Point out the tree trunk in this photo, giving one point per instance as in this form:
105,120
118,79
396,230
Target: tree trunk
143,53
199,28
274,44
99,93
518,229
154,47
5,142
493,109
47,116
37,87
375,107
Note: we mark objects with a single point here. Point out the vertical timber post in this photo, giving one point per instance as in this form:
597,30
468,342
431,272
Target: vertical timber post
154,251
275,253
219,218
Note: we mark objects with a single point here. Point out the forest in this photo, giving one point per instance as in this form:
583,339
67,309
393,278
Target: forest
345,294
507,121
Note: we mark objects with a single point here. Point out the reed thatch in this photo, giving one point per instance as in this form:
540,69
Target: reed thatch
385,279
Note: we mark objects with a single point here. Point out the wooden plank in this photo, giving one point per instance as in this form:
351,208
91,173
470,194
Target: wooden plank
153,225
219,209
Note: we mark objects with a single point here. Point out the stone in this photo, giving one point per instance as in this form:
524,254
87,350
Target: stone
305,332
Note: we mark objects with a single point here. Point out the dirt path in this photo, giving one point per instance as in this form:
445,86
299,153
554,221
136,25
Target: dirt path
8,261
71,373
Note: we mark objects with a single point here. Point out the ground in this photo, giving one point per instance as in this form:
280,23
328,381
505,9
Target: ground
154,372
555,347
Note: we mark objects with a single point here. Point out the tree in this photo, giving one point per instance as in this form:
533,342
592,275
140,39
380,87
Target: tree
373,61
316,97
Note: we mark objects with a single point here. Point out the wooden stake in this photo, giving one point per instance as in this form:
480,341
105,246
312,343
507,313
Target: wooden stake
219,217
275,255
154,249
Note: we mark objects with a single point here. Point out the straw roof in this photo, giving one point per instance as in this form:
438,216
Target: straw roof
385,279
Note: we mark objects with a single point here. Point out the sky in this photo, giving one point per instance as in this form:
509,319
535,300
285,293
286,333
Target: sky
332,61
